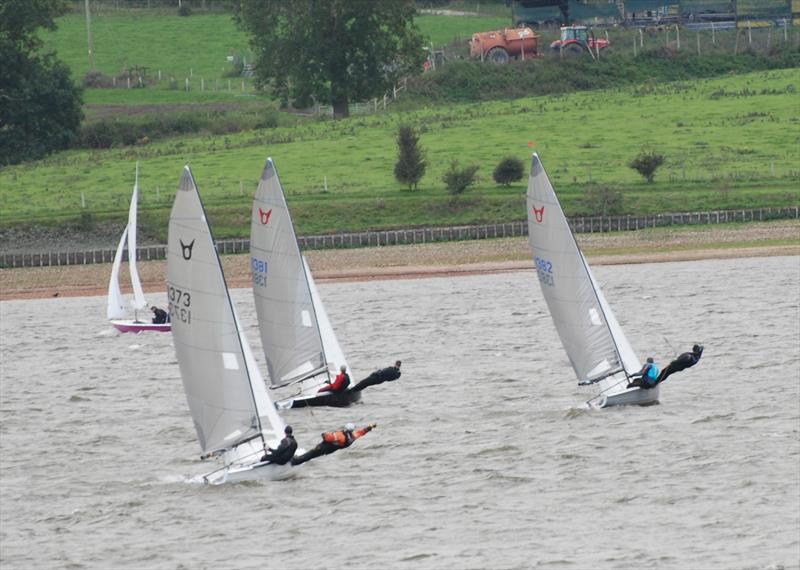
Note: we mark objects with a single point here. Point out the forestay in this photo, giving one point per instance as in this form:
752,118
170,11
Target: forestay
592,338
224,389
287,317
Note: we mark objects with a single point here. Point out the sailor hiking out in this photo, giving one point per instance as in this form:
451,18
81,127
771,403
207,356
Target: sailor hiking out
333,441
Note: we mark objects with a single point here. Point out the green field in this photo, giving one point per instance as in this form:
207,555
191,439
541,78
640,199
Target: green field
729,143
195,47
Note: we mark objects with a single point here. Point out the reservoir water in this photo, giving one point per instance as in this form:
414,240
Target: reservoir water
481,458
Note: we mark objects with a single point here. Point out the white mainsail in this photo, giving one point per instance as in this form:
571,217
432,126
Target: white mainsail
224,388
593,340
296,335
138,302
115,307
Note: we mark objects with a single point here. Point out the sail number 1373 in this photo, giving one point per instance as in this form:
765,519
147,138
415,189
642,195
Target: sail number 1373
544,269
180,303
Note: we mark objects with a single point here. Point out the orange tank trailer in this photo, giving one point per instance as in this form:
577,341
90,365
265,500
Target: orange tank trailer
501,45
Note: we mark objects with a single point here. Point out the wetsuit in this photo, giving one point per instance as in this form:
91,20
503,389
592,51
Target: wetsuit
646,378
284,453
332,441
159,316
684,361
378,377
340,384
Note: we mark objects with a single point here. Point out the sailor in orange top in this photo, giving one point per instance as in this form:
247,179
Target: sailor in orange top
334,441
340,383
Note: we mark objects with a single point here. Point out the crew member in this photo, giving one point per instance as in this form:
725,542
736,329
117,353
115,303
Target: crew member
334,441
340,383
160,316
387,374
684,361
285,451
646,377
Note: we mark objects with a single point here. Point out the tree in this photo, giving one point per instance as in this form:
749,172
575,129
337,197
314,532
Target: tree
509,170
647,163
331,51
457,179
40,108
411,165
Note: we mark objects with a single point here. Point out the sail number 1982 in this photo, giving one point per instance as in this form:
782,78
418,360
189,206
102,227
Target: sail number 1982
544,269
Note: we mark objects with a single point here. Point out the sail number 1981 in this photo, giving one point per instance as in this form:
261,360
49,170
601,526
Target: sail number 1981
544,268
259,267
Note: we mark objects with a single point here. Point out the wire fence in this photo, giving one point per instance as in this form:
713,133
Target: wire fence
584,224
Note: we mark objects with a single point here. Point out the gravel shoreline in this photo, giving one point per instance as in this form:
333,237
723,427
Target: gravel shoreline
438,259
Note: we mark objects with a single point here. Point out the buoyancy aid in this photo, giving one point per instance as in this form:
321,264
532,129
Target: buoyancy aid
652,374
341,438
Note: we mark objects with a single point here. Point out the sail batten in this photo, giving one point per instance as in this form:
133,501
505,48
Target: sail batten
592,338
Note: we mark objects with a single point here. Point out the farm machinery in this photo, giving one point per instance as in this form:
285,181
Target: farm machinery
576,40
502,45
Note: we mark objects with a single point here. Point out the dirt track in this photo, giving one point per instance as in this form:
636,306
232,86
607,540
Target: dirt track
440,259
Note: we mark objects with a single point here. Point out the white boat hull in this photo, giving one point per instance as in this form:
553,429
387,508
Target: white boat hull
632,397
252,472
138,326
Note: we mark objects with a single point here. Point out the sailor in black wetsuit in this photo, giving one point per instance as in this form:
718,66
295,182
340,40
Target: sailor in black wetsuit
160,316
684,361
285,451
379,377
334,441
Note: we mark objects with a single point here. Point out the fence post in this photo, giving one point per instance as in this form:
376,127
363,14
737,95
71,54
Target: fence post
186,82
678,35
698,43
713,34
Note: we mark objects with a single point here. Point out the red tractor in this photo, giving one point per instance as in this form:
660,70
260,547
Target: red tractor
577,39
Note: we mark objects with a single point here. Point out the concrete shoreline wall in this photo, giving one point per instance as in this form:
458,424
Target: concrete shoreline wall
581,224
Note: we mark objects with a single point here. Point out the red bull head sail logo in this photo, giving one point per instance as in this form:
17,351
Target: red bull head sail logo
538,214
264,216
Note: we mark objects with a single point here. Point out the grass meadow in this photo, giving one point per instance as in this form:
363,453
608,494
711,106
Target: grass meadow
728,143
194,48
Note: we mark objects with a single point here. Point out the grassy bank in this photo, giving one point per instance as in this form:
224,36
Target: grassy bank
728,143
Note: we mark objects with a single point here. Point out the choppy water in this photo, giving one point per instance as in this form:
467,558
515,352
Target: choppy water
480,459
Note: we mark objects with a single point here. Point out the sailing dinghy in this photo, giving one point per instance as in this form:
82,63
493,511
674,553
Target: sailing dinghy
591,335
300,345
115,309
233,415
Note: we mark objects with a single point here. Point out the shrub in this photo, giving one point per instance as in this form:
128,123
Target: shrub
410,166
603,200
269,120
510,169
97,79
184,10
647,163
457,179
